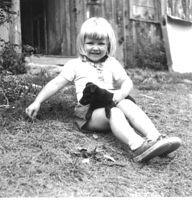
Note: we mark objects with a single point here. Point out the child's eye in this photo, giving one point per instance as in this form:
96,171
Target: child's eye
90,43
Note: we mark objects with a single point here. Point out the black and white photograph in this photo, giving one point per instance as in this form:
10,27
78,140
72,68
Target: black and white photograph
95,98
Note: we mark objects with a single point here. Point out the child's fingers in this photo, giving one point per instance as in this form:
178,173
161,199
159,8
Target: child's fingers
27,111
117,97
31,113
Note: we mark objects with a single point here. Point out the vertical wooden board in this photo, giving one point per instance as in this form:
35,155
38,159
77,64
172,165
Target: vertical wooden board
103,8
158,10
120,30
31,24
126,24
73,27
68,34
51,26
164,11
15,33
129,36
4,30
57,28
45,26
169,6
112,18
48,25
54,38
187,10
190,10
26,23
107,9
164,8
80,13
63,28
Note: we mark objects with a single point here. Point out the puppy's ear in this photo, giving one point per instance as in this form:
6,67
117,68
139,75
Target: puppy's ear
89,83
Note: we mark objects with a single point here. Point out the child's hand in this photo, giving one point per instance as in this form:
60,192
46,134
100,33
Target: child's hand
118,96
33,109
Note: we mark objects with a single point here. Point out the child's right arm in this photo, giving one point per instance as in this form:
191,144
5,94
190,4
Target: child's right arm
50,89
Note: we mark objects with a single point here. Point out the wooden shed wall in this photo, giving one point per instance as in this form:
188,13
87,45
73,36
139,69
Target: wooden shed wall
180,9
133,30
136,24
61,27
64,19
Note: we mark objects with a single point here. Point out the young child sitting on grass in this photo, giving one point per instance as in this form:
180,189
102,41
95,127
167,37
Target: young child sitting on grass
96,44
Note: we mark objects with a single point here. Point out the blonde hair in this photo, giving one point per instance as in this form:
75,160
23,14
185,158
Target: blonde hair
97,28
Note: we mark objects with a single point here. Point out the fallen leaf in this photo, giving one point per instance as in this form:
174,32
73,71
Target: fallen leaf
109,158
85,161
95,136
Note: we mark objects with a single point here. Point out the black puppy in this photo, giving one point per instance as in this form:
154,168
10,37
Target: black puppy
98,98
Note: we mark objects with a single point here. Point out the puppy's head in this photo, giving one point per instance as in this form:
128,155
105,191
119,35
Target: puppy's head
88,93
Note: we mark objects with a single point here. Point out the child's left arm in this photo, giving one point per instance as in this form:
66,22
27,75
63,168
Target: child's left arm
122,80
125,89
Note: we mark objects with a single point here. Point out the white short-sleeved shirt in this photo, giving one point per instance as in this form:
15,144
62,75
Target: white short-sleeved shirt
108,75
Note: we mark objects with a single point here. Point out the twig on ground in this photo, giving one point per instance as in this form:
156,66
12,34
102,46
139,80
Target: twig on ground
115,164
147,96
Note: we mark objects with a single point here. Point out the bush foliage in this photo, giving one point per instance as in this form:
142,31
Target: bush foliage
11,60
151,56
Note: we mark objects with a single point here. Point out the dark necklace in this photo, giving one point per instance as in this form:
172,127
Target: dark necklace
103,59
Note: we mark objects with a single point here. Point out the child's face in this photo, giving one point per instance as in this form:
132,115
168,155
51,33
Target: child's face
95,48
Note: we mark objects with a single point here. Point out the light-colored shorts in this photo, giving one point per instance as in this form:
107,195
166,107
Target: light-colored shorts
79,115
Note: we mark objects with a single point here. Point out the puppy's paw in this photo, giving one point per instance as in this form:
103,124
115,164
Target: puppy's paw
108,112
108,115
88,115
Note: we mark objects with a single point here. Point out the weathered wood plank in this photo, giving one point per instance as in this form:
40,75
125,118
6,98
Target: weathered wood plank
119,20
180,9
68,24
73,27
80,13
63,19
63,28
51,26
15,34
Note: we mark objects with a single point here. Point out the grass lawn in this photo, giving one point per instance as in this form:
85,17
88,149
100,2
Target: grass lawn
49,157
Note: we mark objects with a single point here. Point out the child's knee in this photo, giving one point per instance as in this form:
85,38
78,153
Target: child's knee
116,112
127,104
126,101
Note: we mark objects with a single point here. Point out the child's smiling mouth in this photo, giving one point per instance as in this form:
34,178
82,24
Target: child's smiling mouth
95,53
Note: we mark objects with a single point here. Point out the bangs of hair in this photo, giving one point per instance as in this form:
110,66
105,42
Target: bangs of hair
96,32
96,28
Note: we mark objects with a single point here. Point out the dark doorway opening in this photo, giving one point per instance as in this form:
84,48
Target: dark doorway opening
33,25
50,26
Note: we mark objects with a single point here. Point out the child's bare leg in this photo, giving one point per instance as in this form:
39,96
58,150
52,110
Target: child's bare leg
98,121
119,126
144,149
138,119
